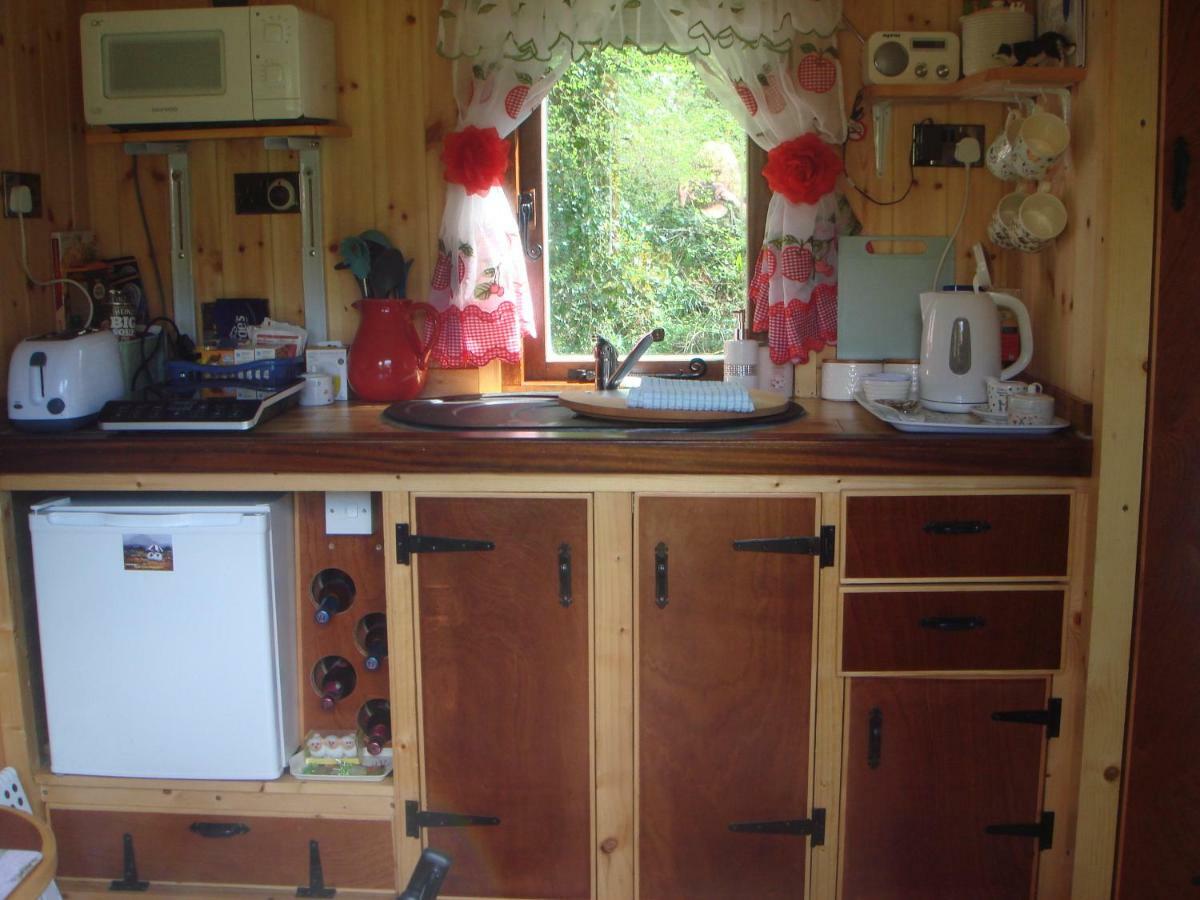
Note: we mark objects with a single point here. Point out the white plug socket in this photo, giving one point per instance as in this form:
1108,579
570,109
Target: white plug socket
20,200
348,512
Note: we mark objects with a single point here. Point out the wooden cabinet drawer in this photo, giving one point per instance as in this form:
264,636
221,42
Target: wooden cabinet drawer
172,847
955,630
957,536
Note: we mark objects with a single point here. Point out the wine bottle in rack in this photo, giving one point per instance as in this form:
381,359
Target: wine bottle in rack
372,640
333,679
375,722
332,592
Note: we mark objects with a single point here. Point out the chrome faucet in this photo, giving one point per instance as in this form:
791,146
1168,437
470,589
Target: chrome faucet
609,374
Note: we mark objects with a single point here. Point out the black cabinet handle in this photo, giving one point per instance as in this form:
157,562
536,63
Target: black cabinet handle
953,623
1179,178
218,829
660,575
970,526
874,737
564,575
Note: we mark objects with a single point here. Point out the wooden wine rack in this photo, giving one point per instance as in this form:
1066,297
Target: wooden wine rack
360,556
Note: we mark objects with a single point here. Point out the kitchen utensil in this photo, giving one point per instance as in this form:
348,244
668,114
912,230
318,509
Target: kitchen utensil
356,255
1030,408
389,274
840,377
386,359
61,381
374,236
878,315
960,347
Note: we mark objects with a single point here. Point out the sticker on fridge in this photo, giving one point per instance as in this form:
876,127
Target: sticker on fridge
148,552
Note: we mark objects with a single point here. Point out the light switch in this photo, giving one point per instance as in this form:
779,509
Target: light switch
348,512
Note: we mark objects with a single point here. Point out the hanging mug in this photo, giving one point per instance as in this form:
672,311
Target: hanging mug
1041,141
999,154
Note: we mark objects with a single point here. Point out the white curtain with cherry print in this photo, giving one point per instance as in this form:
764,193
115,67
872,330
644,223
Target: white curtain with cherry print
787,94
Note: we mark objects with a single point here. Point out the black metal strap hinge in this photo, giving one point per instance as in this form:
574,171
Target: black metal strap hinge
415,819
130,880
408,544
814,827
316,875
820,546
1051,716
1043,830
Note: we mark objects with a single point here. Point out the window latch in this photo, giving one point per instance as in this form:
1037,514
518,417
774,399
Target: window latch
526,218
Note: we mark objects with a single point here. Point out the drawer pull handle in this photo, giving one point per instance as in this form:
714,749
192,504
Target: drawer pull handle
218,829
660,576
953,623
874,737
974,526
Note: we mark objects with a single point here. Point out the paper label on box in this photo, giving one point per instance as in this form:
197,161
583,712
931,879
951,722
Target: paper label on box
148,552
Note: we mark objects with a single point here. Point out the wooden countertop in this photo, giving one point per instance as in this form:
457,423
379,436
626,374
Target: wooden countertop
833,439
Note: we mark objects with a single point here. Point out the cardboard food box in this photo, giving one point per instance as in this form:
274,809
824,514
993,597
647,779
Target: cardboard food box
330,358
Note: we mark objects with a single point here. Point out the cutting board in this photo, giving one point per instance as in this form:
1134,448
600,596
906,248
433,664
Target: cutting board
615,405
879,314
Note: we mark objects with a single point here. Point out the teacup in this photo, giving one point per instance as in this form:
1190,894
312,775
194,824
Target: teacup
999,154
1028,408
999,392
1041,141
1027,222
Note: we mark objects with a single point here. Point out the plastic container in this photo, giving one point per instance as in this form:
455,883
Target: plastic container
984,31
265,371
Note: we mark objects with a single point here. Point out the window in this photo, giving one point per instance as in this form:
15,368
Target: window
643,212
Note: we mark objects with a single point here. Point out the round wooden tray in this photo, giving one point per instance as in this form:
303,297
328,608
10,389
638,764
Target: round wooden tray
615,405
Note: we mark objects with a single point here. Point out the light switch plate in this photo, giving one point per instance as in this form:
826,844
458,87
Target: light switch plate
348,512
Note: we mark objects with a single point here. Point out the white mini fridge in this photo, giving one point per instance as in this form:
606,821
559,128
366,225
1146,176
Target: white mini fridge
168,634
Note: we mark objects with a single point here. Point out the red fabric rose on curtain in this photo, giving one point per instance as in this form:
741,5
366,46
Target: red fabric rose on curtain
804,169
476,158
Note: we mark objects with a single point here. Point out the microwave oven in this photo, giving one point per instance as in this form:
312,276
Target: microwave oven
207,66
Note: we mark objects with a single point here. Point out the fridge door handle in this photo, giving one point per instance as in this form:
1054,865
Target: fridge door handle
137,520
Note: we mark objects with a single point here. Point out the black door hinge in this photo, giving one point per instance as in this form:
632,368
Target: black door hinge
815,827
130,881
408,544
316,875
820,546
1043,830
1051,716
415,819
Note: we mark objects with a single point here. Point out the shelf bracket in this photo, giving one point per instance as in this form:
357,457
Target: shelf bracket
180,187
312,260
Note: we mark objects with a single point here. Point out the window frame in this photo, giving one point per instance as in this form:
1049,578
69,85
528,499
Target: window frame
529,171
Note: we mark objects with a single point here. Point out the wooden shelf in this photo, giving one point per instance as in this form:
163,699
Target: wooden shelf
991,84
230,132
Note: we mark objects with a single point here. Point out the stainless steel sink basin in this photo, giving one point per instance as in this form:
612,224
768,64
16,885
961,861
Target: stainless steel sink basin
540,412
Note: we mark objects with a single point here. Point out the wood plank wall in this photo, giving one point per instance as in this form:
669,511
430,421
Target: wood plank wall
41,114
395,96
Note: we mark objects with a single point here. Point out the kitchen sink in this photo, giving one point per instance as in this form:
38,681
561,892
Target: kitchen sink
536,411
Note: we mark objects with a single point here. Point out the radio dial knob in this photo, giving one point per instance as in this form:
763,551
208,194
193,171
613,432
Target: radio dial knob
943,71
920,70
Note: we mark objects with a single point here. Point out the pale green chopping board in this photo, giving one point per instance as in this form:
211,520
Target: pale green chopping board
879,313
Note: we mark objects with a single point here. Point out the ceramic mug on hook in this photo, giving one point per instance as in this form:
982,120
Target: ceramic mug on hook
1041,141
1027,222
999,154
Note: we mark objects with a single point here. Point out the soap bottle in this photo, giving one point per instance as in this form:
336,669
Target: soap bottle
741,356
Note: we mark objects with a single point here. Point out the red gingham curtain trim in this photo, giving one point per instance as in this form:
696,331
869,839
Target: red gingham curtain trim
470,337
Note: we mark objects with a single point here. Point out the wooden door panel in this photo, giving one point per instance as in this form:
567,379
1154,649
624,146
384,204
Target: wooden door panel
920,795
1159,853
724,681
505,695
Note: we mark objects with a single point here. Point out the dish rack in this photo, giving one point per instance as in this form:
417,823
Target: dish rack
262,371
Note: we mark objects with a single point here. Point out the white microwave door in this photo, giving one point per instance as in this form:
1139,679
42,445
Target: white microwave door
167,66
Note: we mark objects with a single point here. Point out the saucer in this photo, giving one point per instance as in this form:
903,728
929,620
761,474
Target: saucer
982,412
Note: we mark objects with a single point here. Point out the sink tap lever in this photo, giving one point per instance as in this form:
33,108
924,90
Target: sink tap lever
610,374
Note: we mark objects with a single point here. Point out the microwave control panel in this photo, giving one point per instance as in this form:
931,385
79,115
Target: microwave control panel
275,56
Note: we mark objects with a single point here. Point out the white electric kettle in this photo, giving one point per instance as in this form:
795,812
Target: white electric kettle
960,346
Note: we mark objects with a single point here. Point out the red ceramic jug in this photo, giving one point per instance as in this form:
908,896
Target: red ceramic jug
386,361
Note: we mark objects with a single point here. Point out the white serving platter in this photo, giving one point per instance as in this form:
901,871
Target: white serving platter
926,421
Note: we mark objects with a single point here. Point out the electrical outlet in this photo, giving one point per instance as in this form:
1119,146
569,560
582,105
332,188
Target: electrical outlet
256,193
933,144
33,181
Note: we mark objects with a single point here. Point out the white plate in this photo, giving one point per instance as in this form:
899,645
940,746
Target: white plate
926,421
296,766
998,418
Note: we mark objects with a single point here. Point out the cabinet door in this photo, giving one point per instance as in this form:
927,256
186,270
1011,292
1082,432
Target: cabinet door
927,771
504,673
723,691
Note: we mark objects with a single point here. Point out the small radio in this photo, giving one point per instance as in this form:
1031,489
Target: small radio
911,57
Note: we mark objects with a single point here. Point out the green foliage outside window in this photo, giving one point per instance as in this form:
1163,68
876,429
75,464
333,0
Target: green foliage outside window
646,187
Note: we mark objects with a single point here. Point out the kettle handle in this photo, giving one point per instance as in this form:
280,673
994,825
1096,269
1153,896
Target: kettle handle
1026,332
